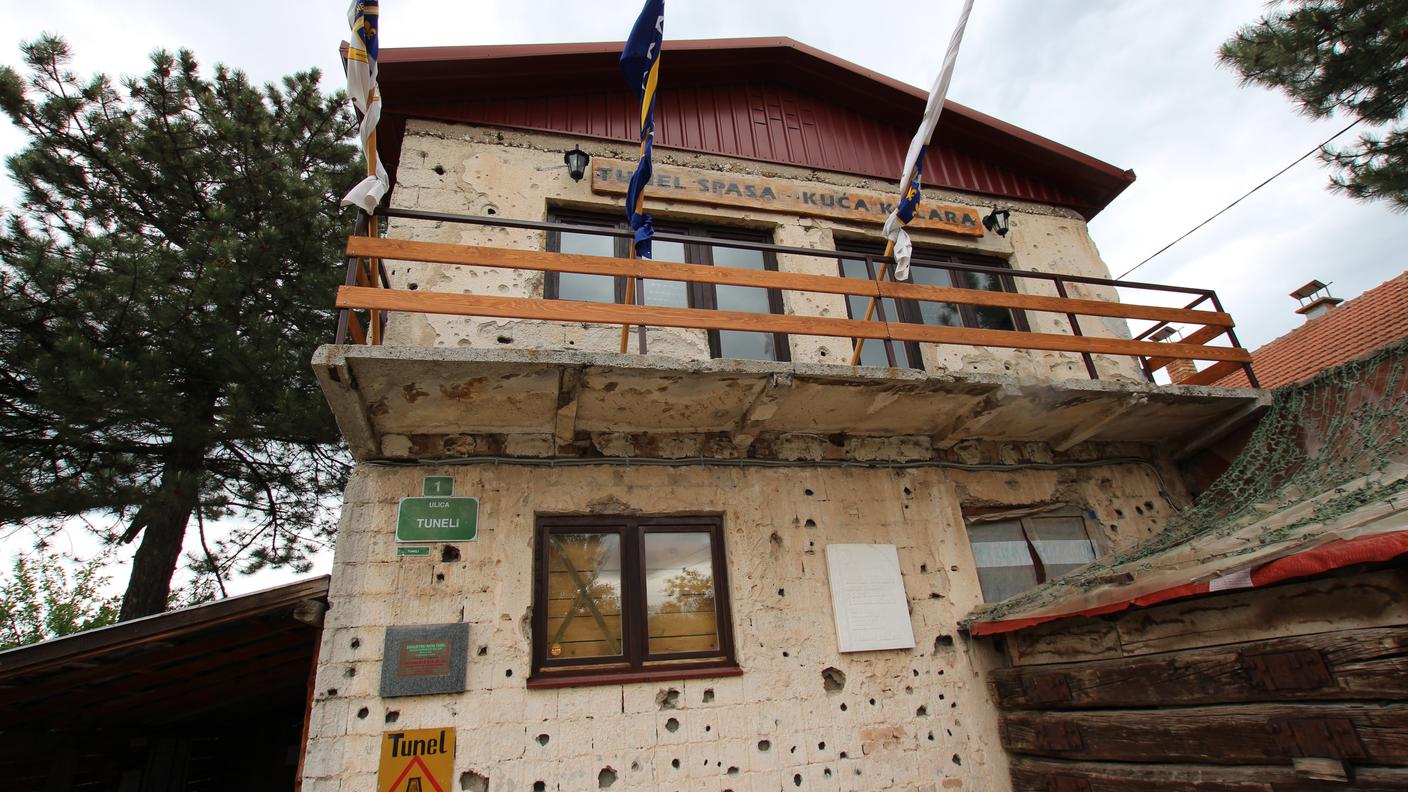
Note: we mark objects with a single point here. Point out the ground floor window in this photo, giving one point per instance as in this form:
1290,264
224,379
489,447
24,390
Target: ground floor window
1014,554
711,250
623,594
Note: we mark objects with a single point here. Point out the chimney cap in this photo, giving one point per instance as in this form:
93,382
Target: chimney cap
1309,289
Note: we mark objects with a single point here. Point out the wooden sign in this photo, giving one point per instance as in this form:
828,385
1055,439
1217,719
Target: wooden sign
416,760
612,177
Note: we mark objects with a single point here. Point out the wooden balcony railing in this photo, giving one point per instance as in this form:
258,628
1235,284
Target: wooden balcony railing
373,297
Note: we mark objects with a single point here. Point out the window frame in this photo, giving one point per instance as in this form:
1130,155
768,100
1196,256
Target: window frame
1097,548
909,310
636,661
700,253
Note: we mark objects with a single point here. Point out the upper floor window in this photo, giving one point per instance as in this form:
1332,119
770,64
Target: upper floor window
1014,554
630,594
928,268
708,251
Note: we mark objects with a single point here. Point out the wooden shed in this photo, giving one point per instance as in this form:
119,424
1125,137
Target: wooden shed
1260,644
204,698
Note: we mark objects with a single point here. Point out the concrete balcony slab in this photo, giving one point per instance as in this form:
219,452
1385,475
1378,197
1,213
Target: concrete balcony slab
434,403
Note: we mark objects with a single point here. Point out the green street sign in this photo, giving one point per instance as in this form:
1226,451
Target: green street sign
420,550
425,519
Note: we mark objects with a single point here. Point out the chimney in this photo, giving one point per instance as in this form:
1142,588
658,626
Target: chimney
1178,370
1315,299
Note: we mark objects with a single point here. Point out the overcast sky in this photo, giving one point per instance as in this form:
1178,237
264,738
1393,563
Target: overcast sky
1134,83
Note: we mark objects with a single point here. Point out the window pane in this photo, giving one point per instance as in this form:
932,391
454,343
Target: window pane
665,292
589,288
1061,543
679,592
936,313
1004,563
989,318
734,343
584,595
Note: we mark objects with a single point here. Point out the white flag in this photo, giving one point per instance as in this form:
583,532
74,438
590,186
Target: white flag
362,53
913,161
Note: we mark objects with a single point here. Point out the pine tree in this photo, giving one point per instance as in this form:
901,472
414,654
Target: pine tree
1349,56
162,286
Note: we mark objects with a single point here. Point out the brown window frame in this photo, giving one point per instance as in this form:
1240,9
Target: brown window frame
700,295
909,309
636,662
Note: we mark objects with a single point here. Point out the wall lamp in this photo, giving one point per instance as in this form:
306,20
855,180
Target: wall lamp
996,221
576,160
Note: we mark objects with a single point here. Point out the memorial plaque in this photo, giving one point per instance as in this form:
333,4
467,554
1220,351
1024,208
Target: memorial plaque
867,598
416,760
424,659
436,519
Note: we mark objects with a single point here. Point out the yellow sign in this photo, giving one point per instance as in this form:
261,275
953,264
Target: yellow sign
416,760
815,199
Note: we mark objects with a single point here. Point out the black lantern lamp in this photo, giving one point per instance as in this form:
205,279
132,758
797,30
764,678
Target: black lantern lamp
996,221
576,160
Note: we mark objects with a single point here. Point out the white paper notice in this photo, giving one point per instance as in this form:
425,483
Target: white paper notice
867,598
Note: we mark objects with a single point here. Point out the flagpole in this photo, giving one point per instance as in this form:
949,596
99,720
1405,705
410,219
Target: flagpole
631,281
373,265
870,308
910,181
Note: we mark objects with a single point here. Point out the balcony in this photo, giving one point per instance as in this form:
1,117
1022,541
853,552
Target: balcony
443,401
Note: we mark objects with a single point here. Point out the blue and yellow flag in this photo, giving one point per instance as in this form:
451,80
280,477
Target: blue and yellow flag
363,16
640,65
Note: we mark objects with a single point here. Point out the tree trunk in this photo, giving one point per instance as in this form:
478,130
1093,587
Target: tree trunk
163,522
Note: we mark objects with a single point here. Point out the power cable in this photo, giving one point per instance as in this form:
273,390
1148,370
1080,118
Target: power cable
1297,161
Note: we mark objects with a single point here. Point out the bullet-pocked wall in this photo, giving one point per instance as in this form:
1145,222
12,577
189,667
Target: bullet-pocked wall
915,719
518,174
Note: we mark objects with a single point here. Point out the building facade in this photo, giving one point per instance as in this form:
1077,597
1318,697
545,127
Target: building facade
725,558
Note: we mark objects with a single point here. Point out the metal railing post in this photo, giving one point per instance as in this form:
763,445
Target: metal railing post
1075,330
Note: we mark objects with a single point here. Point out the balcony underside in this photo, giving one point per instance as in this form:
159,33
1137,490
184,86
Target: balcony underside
435,403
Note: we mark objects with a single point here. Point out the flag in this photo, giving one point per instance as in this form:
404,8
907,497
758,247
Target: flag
362,52
640,65
911,178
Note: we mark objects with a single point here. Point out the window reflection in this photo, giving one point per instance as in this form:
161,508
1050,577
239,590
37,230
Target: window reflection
584,595
679,593
588,288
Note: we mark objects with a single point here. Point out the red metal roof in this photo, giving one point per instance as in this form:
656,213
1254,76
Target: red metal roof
768,99
1374,319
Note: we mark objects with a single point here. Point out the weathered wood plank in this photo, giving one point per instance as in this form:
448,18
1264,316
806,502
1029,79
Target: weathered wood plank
1237,734
1369,664
1321,605
1053,342
1212,373
1200,336
1037,302
660,316
603,313
1054,775
544,261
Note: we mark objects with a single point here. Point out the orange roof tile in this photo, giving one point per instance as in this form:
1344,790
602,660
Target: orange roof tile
1375,318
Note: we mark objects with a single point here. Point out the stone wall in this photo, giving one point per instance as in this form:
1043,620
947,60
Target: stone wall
517,174
904,720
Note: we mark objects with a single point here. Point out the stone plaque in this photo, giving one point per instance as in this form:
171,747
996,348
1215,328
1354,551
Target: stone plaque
424,659
867,598
696,185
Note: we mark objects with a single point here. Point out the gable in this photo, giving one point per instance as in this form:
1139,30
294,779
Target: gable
770,100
